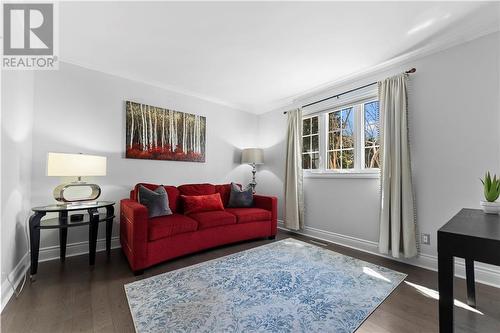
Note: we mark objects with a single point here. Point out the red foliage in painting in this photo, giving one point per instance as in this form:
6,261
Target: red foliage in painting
163,153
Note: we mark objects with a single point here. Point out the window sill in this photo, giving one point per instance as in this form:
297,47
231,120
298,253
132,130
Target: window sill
349,174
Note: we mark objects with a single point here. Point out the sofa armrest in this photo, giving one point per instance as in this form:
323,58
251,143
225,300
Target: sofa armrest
269,203
134,232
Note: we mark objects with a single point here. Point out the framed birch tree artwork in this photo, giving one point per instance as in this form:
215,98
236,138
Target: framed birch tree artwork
161,134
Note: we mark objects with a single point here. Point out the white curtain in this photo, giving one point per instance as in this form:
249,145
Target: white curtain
294,200
397,216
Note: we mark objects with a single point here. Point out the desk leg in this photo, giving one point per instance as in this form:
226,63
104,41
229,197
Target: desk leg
63,235
93,228
35,240
110,211
445,281
471,287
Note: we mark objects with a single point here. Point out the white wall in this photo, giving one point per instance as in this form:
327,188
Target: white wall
454,115
81,110
16,136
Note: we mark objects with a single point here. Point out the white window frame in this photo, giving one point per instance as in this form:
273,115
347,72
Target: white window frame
359,140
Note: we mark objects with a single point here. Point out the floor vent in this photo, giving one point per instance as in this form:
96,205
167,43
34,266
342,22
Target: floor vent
318,243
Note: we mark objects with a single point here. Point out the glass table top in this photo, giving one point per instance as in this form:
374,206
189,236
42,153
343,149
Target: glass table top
72,206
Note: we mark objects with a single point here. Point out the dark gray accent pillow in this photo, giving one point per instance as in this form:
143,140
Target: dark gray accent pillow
240,197
156,201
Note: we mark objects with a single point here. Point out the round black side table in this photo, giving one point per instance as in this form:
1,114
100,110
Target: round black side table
63,223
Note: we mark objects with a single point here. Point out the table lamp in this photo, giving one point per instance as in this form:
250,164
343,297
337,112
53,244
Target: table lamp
252,156
75,165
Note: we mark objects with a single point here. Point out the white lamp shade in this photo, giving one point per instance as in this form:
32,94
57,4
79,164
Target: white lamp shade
75,165
252,155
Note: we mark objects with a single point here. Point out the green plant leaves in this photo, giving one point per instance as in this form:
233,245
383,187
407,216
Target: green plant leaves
491,187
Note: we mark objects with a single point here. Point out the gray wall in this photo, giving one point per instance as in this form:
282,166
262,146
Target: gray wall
76,110
454,117
81,110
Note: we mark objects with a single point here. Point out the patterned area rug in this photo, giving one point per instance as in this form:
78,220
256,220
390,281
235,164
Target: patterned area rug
285,286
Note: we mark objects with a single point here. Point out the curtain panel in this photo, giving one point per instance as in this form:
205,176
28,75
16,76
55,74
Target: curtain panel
397,215
294,198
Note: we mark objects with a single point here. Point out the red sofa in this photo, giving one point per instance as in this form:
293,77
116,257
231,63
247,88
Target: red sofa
149,241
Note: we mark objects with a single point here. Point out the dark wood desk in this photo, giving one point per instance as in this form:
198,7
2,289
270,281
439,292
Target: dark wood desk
62,222
474,236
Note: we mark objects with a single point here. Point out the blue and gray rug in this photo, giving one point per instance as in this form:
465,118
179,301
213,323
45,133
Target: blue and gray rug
286,286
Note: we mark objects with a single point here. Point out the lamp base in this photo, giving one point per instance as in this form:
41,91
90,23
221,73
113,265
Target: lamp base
62,194
253,183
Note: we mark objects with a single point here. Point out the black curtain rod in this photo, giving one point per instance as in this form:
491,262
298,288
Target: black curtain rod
410,71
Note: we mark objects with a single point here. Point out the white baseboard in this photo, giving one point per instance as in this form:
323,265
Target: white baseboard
483,273
46,254
75,249
16,277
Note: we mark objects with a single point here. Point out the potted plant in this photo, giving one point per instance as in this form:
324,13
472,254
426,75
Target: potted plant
491,193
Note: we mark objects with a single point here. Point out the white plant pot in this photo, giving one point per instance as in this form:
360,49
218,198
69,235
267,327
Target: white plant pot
490,207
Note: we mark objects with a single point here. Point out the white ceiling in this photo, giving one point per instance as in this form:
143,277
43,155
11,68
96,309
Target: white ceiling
254,56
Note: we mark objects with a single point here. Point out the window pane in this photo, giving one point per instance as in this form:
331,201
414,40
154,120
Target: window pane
334,121
314,125
347,120
306,126
306,161
333,140
348,159
347,140
371,124
314,160
372,157
306,144
334,161
315,142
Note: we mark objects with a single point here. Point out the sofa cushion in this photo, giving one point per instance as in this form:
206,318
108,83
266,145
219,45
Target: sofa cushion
196,189
156,201
250,214
213,219
170,225
172,193
224,190
202,203
240,197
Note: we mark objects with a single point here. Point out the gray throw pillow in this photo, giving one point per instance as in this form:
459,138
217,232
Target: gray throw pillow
240,197
156,201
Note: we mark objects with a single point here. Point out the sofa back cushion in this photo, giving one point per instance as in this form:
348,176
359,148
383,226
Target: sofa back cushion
172,193
224,190
196,189
202,203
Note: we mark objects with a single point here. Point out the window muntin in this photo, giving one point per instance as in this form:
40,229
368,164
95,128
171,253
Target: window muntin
310,143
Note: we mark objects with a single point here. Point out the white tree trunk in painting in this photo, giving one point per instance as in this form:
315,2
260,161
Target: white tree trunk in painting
184,133
150,132
155,112
163,130
197,134
176,139
143,132
131,123
171,129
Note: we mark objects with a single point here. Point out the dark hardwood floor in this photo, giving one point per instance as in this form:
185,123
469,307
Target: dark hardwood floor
72,297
